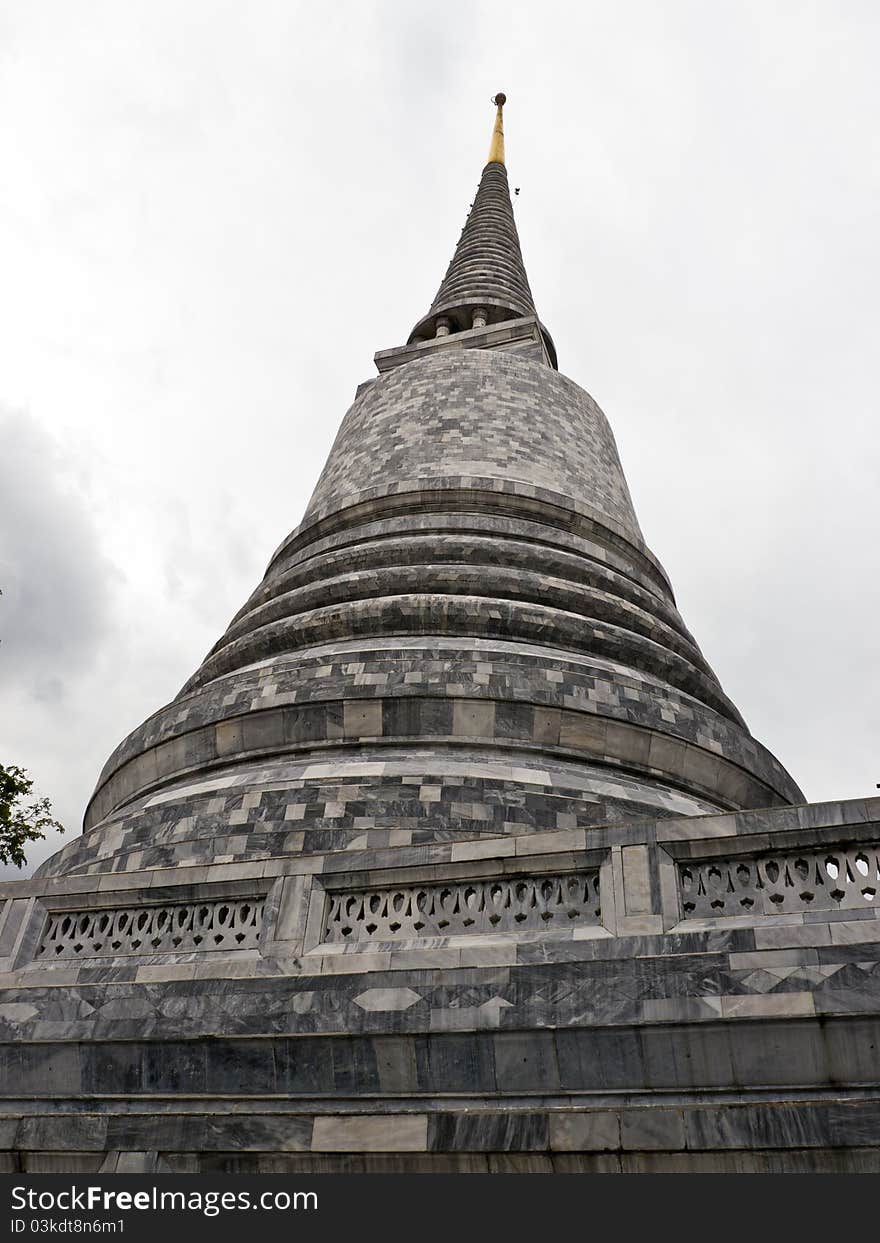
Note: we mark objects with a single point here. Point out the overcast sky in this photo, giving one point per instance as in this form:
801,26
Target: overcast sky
212,215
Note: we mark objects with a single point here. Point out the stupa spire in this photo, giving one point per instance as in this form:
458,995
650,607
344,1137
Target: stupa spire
486,281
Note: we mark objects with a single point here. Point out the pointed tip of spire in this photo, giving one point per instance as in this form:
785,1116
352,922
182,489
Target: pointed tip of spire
496,150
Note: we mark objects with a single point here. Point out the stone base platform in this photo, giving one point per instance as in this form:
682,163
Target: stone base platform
700,993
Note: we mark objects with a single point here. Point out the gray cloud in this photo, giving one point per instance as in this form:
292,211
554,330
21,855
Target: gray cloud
55,581
56,603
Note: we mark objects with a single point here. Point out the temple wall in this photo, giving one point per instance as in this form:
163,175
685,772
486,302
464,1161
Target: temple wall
683,993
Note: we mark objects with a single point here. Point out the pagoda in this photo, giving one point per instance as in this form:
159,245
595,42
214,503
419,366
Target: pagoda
453,854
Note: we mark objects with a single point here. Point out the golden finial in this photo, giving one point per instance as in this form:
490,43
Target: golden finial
496,151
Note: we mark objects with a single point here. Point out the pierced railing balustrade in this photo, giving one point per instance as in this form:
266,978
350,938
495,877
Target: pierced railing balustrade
225,924
835,878
506,904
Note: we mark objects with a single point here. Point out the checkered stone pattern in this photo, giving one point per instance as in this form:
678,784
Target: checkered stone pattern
481,415
379,800
526,687
537,736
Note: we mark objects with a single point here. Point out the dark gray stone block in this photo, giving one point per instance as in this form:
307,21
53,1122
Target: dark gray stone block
485,1132
526,1062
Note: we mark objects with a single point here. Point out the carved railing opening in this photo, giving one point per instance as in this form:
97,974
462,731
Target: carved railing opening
507,904
229,924
836,878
